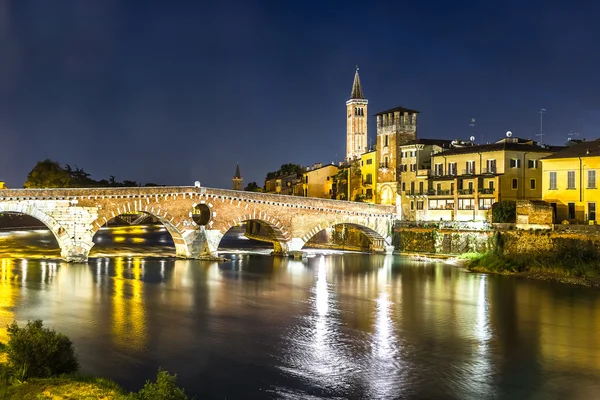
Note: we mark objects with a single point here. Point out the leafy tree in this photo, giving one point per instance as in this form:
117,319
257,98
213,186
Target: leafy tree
252,187
127,183
289,168
504,211
47,174
38,352
165,388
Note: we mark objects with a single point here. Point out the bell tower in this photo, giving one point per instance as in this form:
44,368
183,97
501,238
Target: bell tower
356,124
237,179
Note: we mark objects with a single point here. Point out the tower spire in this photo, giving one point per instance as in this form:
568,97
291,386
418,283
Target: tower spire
357,92
237,171
237,179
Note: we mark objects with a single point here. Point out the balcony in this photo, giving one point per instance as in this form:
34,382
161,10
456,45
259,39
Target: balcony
433,192
486,190
468,171
383,165
465,191
423,172
491,170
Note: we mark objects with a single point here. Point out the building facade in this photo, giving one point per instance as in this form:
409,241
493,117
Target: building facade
395,127
356,123
415,170
368,170
570,183
467,179
318,181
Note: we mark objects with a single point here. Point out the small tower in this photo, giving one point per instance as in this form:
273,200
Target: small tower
356,124
237,179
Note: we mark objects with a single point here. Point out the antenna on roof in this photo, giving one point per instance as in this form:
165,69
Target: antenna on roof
541,134
472,125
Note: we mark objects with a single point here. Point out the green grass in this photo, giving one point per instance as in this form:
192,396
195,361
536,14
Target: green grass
64,388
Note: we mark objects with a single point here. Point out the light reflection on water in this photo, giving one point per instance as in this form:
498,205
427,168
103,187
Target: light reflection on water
335,325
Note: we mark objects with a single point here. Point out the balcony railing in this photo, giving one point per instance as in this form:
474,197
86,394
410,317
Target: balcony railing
487,190
383,165
433,192
465,191
468,171
491,170
423,172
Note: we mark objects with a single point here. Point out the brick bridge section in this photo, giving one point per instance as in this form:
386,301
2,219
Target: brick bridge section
75,215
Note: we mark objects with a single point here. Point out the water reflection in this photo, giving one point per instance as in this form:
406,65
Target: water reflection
345,326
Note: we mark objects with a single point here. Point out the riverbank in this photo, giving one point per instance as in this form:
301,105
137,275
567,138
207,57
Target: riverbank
65,387
581,272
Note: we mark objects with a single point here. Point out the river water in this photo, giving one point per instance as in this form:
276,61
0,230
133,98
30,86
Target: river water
336,325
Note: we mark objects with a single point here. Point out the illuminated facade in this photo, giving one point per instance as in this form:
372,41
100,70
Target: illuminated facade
368,169
414,171
394,128
570,182
356,124
318,181
466,180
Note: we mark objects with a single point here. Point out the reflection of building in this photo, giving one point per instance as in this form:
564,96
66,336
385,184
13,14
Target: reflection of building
466,180
356,124
394,128
570,184
414,171
318,181
237,179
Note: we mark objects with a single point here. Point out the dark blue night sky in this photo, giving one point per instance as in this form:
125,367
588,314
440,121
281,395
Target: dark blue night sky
177,91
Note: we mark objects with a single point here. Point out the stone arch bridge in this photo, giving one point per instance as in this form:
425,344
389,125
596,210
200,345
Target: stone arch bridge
75,215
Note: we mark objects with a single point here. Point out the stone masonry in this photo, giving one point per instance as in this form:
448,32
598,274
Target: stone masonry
75,215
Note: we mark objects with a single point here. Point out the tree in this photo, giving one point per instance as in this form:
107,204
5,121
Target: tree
38,352
165,388
47,174
252,187
504,211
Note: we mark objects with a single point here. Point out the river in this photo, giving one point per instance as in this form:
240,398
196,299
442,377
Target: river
335,325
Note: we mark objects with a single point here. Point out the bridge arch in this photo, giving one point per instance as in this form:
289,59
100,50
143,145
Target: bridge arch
59,232
278,232
164,218
376,232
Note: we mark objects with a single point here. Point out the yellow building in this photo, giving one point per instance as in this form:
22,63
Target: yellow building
394,128
414,171
318,181
570,182
368,169
3,185
466,180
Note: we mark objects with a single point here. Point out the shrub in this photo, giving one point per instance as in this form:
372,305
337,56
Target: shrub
504,211
39,352
165,388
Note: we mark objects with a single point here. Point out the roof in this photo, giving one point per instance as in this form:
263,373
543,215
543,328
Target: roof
583,149
500,146
399,108
357,92
237,172
427,142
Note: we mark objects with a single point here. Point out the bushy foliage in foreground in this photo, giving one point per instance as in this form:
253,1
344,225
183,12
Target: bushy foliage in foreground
38,352
165,388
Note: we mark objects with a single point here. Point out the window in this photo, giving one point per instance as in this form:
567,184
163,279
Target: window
327,178
413,167
369,161
452,168
404,186
441,204
439,187
491,185
385,142
515,163
412,205
571,210
369,179
306,192
592,211
490,166
591,179
420,205
552,180
470,187
570,179
532,184
369,194
386,162
470,167
515,183
439,169
421,187
412,153
412,188
466,204
485,204
533,164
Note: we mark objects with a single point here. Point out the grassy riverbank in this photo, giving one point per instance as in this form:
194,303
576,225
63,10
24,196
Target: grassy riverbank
65,387
565,267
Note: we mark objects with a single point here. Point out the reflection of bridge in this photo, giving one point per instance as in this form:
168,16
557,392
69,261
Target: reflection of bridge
197,218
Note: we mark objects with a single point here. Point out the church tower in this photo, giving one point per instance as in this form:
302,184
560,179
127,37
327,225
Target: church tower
356,124
237,179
